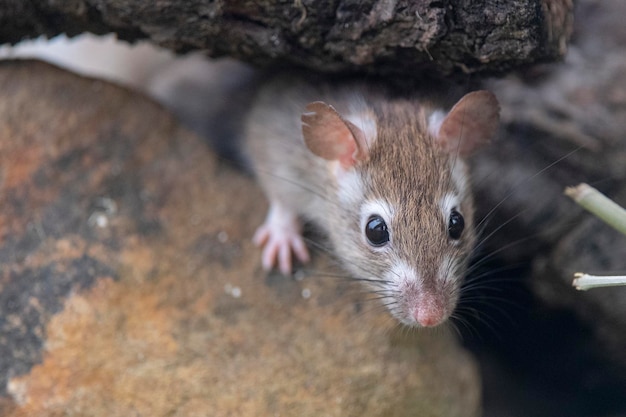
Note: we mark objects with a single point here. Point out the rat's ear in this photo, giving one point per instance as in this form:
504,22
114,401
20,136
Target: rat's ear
471,123
330,136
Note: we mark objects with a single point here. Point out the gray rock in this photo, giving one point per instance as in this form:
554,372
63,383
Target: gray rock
564,125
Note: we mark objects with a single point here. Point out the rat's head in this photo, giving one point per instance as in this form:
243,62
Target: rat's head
405,209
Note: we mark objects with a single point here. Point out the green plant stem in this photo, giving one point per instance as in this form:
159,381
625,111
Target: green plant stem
597,203
585,282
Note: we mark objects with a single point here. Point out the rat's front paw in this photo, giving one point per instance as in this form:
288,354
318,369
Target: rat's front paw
281,236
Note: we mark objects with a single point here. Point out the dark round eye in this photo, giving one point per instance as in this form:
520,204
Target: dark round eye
456,224
376,231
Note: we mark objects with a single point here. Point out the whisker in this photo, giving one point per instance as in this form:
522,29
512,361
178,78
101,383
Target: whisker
524,181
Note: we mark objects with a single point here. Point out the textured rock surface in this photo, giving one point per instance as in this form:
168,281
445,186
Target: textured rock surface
128,285
378,36
562,124
565,125
597,111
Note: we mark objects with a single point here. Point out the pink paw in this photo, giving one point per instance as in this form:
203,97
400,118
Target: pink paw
281,236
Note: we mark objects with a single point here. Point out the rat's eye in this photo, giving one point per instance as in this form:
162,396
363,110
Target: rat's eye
456,224
376,231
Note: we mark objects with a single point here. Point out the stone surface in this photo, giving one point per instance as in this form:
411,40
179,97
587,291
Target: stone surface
564,125
128,285
596,110
401,37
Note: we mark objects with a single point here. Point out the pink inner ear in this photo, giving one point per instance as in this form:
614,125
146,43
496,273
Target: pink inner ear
471,123
328,135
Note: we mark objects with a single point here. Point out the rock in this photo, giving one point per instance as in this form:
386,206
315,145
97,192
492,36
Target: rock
563,125
128,285
592,247
598,111
390,38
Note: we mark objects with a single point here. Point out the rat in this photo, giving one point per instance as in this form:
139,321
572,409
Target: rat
385,178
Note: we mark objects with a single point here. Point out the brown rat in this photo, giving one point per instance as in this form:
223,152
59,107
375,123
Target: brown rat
384,178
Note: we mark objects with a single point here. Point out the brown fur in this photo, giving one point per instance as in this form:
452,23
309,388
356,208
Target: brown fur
404,166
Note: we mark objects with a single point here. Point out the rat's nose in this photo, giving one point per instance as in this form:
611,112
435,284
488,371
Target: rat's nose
430,313
428,320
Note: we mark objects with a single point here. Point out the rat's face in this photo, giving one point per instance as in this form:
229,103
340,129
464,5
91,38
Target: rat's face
412,226
403,222
416,237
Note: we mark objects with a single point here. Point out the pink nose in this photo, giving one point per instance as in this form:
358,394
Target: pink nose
429,315
428,320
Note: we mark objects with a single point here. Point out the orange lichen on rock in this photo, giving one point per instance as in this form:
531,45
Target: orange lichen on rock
112,344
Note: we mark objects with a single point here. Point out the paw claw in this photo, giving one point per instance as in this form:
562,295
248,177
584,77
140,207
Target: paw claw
261,236
280,236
